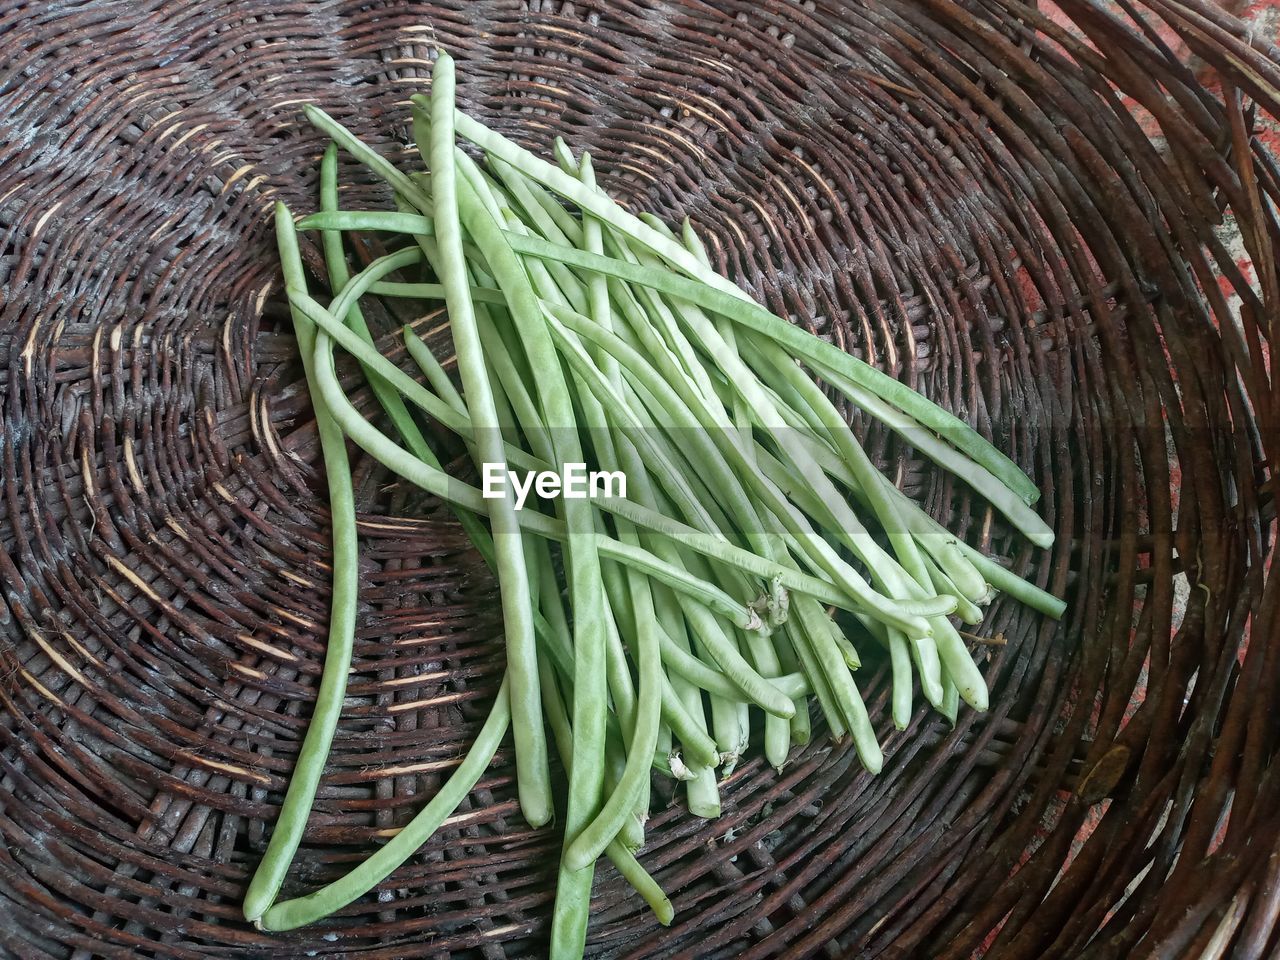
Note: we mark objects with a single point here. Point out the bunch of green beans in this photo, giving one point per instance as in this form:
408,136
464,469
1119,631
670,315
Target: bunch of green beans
756,551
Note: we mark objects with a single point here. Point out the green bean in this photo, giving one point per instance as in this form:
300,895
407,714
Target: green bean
682,663
726,719
445,413
704,454
668,312
924,654
847,446
801,643
380,220
564,220
777,735
711,546
476,531
564,156
300,795
710,459
622,858
938,543
573,890
780,427
347,307
923,648
966,609
640,620
1025,592
417,348
552,228
817,351
726,727
592,840
847,649
366,155
693,243
732,663
573,885
505,358
586,769
914,579
542,573
617,671
897,405
559,225
950,699
702,791
732,732
432,291
1009,582
631,835
881,564
449,208
959,664
703,592
661,757
485,189
985,468
801,731
700,748
900,662
674,480
457,492
665,740
814,621
777,731
720,648
878,382
801,726
693,737
303,910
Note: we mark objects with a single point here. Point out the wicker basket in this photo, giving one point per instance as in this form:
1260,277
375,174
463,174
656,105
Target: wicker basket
1021,214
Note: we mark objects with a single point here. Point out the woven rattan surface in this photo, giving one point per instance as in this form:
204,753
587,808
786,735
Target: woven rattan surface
1021,215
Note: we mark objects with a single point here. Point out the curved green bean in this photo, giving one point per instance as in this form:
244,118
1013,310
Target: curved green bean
356,883
300,795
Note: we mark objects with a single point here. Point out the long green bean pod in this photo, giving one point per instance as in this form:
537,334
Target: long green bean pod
300,795
533,774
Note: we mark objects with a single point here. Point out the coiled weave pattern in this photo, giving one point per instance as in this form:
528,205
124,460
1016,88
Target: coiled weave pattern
1020,215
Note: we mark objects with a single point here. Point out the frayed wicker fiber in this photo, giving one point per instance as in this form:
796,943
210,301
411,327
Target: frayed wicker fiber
1023,215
